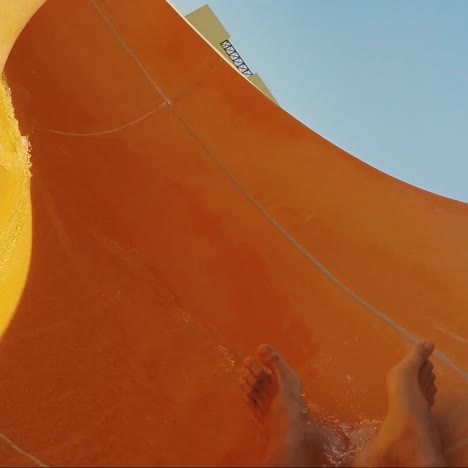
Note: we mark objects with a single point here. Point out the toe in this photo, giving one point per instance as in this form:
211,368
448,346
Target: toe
257,370
426,369
262,385
429,380
429,386
273,361
431,394
247,389
418,354
426,377
253,406
249,377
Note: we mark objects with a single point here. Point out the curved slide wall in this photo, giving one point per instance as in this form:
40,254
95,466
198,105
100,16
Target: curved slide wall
176,218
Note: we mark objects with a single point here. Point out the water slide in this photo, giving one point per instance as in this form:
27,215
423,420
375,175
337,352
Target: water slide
176,218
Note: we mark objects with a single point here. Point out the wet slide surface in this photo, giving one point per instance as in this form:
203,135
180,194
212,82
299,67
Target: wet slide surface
180,218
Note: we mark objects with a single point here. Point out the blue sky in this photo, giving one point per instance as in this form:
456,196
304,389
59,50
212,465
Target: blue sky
385,80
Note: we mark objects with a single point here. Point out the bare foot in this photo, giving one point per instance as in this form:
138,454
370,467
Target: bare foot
273,393
409,435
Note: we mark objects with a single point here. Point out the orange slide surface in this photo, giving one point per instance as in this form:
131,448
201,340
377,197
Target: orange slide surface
177,219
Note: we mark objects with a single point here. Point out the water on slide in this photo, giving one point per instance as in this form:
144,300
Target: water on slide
176,218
